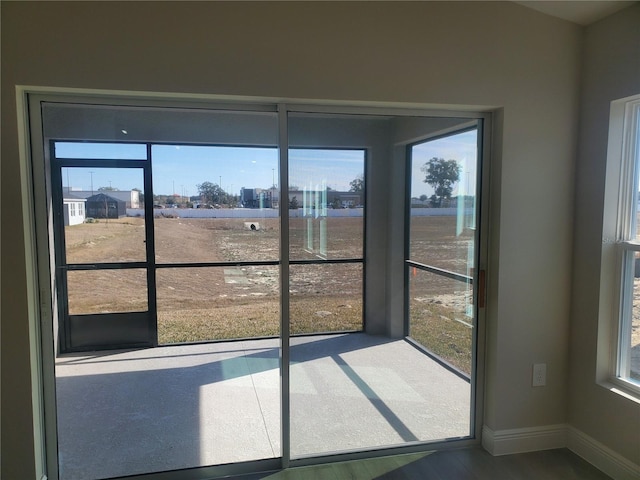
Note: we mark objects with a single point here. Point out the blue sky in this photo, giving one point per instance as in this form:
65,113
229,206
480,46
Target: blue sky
179,169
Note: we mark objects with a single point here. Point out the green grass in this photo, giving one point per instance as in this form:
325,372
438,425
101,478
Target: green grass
231,320
436,327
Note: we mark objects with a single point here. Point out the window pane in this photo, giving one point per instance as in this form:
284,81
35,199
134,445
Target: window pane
211,303
443,202
441,317
99,223
326,198
105,151
107,291
634,347
215,204
325,298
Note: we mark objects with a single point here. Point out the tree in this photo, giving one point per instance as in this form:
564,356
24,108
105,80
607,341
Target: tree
441,174
211,192
423,197
293,203
107,189
357,184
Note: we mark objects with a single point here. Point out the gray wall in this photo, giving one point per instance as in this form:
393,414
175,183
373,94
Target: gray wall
611,71
495,54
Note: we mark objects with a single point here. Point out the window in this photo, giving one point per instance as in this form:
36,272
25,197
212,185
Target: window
624,150
213,253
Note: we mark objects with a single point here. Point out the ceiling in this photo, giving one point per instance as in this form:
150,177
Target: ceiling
578,11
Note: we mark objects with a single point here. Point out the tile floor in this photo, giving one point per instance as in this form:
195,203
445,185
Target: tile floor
167,408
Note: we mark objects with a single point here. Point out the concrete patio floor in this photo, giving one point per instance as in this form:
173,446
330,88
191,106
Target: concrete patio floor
166,408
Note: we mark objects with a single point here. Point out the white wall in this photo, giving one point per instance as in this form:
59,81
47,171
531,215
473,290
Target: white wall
611,71
476,54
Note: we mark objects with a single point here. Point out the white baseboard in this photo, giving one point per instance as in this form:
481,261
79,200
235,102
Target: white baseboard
520,440
601,456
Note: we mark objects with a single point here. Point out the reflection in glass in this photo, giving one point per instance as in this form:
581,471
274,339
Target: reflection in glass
215,204
107,291
326,198
212,303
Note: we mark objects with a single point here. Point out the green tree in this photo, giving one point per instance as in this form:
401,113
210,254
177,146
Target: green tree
211,192
441,174
293,203
357,184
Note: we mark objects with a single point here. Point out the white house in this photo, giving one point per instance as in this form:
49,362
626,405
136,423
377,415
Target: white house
74,210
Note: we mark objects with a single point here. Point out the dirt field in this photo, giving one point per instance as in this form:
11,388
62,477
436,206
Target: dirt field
208,303
218,302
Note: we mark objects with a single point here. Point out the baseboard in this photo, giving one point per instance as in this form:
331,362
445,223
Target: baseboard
520,440
601,456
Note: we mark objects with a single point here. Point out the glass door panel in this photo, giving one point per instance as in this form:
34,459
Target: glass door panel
102,247
441,264
353,391
193,259
327,157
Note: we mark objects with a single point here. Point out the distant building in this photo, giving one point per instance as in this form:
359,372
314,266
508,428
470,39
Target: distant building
105,206
131,198
259,197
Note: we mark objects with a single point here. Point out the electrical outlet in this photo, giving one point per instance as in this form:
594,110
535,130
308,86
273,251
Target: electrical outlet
539,375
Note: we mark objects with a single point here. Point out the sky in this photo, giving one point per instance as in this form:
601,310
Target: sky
178,169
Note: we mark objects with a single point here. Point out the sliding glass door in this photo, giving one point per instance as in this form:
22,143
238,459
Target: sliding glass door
310,281
166,237
442,274
376,389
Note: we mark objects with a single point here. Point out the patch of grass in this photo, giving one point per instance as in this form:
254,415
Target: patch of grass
436,328
261,318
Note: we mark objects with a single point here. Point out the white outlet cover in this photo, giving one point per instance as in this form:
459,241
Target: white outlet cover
539,378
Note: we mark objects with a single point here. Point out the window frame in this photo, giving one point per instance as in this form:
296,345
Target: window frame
35,187
623,158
